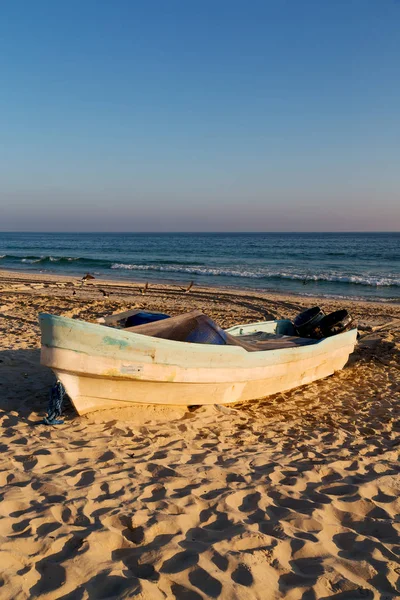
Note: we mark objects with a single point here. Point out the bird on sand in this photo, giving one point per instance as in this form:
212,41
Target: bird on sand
189,287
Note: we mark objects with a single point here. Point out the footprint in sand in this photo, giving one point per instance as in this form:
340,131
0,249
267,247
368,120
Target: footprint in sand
205,582
242,575
181,592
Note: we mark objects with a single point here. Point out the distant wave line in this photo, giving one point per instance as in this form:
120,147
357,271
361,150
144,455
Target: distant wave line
32,259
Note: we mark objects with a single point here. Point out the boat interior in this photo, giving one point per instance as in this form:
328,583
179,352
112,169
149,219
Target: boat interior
198,328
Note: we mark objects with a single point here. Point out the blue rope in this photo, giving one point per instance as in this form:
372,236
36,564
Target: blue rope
54,408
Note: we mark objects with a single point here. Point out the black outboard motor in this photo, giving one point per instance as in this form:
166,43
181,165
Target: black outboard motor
334,323
307,321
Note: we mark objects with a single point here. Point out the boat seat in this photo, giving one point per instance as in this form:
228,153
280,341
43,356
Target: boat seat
271,341
196,327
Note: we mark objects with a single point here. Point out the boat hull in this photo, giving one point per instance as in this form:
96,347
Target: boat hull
104,368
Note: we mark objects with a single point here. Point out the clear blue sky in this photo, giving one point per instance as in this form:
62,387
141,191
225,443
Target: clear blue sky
188,115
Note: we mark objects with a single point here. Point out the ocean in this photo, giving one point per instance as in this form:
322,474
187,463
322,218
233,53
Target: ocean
360,265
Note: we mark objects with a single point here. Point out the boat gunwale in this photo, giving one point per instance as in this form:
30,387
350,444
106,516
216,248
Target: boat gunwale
148,345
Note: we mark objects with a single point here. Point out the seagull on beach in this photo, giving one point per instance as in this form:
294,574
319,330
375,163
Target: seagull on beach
189,287
191,284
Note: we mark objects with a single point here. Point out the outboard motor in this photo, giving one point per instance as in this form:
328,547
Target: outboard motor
307,321
334,323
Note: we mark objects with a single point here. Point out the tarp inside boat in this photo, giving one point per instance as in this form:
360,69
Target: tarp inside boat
198,328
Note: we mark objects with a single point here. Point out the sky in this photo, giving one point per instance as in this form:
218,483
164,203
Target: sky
200,115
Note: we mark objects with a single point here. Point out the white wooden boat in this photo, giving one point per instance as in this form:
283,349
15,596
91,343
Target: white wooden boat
101,367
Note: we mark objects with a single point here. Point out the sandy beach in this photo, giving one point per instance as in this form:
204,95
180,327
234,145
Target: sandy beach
294,496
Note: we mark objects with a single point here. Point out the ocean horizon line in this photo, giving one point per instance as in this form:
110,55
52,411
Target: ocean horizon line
377,232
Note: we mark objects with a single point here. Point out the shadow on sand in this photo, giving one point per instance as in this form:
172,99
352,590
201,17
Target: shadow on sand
25,386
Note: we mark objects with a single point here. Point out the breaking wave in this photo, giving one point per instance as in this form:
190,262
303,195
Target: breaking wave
191,270
33,259
46,259
262,274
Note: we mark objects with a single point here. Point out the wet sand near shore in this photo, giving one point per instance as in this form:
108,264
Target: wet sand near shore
294,496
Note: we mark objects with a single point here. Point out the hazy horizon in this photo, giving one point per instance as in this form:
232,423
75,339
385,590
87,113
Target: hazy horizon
195,232
196,117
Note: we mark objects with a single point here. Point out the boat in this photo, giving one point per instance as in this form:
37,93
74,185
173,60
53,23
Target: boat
103,367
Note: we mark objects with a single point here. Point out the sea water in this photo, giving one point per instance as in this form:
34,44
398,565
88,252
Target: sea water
362,265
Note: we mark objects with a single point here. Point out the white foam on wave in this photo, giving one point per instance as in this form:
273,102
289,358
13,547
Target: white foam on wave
58,258
31,261
367,280
371,280
190,270
48,258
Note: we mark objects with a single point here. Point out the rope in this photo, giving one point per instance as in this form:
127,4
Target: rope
54,408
